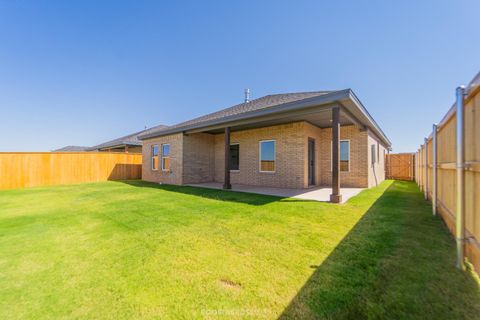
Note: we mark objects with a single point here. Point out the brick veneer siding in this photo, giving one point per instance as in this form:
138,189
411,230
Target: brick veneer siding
198,158
175,174
289,156
376,170
358,174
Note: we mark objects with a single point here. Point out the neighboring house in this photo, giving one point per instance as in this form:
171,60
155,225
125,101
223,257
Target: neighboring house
129,143
280,140
71,149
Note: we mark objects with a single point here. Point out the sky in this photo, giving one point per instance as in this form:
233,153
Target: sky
83,72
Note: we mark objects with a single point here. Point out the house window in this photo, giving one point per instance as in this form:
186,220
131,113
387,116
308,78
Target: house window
345,155
374,156
154,157
165,157
235,157
267,156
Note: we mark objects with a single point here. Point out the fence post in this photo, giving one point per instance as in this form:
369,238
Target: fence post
417,166
434,169
460,208
425,156
420,169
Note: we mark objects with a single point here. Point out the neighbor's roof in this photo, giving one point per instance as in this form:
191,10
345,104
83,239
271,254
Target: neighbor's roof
71,149
269,104
130,140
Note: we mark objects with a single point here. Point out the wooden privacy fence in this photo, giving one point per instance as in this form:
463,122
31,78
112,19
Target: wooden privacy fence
400,166
30,169
436,173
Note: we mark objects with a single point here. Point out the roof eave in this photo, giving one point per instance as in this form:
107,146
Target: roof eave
117,145
329,98
290,106
365,112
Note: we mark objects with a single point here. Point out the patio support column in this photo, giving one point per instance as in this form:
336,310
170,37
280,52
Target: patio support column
336,197
226,181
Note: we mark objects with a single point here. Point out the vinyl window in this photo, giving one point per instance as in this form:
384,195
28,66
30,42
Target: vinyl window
235,157
154,157
344,155
267,156
165,157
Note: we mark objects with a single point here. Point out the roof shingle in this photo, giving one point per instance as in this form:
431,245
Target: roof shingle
242,108
131,139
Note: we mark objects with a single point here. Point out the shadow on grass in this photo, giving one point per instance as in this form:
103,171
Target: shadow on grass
397,262
215,194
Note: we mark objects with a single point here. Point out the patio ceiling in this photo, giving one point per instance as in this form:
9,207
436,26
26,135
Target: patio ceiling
320,116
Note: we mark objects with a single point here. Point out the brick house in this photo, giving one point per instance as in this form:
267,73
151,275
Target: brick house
129,143
282,140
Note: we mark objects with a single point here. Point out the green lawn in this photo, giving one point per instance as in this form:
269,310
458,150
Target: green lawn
137,250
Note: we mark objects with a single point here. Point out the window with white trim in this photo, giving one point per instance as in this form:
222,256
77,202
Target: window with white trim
374,156
165,157
267,156
154,157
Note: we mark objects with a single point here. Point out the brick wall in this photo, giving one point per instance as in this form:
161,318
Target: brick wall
175,174
198,158
358,174
289,152
376,170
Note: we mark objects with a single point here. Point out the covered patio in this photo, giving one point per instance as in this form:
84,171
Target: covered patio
315,193
290,141
331,110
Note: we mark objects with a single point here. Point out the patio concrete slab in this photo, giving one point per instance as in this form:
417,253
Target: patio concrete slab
314,193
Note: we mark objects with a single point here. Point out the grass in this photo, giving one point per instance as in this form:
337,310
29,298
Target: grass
137,250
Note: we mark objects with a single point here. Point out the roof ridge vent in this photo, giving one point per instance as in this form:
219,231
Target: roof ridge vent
247,95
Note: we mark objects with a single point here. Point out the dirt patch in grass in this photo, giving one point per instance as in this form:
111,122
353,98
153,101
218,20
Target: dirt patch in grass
231,284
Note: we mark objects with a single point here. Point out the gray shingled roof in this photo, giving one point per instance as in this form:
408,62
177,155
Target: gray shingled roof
131,139
242,108
71,149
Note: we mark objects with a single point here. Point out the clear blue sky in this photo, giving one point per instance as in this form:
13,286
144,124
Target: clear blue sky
82,72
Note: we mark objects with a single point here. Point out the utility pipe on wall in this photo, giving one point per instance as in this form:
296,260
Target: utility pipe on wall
425,157
460,208
434,169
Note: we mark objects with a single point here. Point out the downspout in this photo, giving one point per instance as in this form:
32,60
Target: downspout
434,169
460,208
